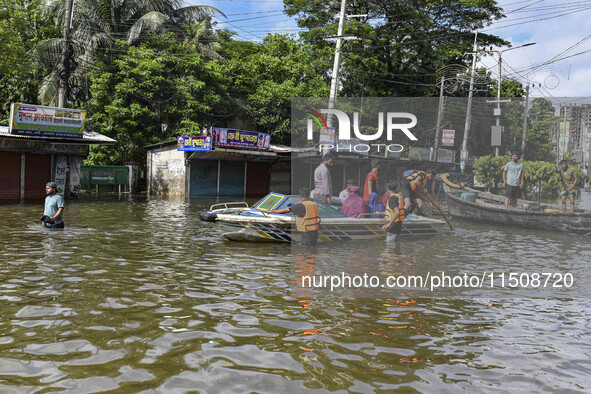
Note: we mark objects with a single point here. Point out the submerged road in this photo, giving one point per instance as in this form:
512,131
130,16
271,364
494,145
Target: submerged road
140,295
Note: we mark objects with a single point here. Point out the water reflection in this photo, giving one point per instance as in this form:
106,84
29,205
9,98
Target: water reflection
139,295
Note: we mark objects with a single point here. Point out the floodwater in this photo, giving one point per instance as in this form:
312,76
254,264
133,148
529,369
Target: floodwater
138,295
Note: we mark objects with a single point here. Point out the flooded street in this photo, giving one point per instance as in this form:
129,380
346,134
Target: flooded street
139,295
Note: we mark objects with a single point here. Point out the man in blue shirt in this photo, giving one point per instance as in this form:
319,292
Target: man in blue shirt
54,207
513,178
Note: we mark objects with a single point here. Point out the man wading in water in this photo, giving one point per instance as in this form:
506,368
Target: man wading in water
54,207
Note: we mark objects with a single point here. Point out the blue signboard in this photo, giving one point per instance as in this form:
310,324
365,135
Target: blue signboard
202,143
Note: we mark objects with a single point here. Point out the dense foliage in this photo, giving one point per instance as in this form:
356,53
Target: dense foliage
22,27
152,70
152,92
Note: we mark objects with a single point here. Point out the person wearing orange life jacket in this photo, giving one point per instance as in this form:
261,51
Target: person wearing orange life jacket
306,216
412,189
394,212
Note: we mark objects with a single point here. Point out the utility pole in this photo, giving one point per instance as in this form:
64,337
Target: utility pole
464,155
498,109
439,117
64,70
524,136
497,112
334,83
558,137
564,148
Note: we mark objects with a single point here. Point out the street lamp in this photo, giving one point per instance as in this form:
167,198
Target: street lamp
498,101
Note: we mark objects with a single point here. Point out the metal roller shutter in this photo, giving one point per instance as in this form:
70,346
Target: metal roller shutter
204,177
257,179
10,176
232,178
37,174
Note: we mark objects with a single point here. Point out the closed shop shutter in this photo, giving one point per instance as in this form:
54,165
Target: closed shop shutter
257,179
204,177
37,174
232,178
10,176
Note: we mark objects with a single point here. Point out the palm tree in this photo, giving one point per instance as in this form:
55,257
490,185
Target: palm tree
97,24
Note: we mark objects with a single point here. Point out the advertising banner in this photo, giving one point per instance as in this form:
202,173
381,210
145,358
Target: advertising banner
38,120
447,137
75,164
230,138
202,143
328,136
61,165
420,154
446,156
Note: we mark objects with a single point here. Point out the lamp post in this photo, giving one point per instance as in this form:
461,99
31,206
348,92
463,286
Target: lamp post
498,101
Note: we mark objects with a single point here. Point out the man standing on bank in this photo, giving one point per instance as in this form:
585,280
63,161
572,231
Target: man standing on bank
513,178
569,179
306,216
322,181
394,212
371,180
54,207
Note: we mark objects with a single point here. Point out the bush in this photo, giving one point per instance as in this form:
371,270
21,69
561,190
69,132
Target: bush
488,171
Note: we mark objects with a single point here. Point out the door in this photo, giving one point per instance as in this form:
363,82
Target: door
257,179
232,178
10,176
37,174
204,177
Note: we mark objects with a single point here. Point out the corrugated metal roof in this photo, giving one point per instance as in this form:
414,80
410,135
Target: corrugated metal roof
88,138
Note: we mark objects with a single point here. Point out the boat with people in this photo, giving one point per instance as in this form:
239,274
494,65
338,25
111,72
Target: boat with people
465,202
240,222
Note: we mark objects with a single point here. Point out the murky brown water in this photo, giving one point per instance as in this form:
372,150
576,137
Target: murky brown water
141,296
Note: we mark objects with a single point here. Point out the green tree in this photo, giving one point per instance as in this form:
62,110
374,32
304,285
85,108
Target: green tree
153,92
97,25
268,75
403,42
538,145
22,27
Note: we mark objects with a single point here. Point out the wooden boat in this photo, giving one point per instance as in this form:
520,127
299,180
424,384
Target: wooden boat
490,208
240,222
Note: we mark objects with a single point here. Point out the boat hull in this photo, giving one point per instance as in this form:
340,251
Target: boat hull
330,230
578,222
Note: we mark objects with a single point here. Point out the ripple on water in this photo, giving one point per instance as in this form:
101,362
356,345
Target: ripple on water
151,299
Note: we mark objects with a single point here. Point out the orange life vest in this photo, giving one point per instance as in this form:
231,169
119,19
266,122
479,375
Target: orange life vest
389,210
415,177
311,220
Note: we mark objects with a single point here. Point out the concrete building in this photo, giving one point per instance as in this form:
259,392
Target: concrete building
28,162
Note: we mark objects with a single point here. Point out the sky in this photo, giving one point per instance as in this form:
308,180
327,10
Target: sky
561,29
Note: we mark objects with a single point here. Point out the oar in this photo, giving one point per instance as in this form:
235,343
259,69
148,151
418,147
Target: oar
426,193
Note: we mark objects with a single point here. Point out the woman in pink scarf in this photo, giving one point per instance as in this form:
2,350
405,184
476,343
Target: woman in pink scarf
354,204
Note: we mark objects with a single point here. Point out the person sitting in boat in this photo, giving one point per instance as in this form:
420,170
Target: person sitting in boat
513,177
569,179
413,190
354,205
376,208
306,216
394,212
345,192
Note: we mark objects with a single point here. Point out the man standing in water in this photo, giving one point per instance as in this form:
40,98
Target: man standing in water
569,179
513,178
394,212
306,217
54,207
